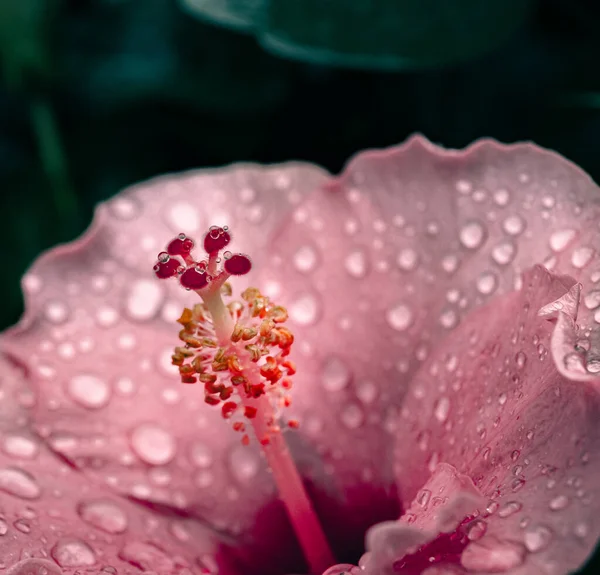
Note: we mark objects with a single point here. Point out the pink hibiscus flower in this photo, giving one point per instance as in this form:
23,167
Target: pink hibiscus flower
445,313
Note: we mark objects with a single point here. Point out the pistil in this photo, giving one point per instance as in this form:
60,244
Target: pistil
242,350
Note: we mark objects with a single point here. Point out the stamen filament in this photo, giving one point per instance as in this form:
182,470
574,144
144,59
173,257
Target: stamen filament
285,474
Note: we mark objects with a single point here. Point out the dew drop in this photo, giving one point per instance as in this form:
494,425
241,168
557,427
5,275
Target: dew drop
509,509
124,208
423,497
22,525
476,530
472,235
558,503
20,446
593,365
517,484
144,299
561,239
244,463
448,318
153,444
591,300
538,538
367,392
504,253
356,264
513,225
399,317
450,263
183,216
487,283
201,455
73,553
582,256
493,556
548,202
34,567
502,398
501,197
520,359
147,557
56,312
464,187
305,259
352,416
107,316
336,374
89,391
441,409
581,530
407,259
104,515
3,527
19,483
305,309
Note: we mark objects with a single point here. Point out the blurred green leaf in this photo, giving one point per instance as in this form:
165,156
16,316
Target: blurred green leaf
25,27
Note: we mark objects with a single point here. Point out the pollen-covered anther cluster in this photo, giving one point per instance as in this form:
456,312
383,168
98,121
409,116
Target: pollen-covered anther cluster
254,364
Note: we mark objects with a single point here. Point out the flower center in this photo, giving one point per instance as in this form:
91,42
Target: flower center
239,351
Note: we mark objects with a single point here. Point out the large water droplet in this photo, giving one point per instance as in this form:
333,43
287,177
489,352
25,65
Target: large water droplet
399,317
487,283
20,446
144,299
513,225
582,256
305,259
19,483
305,309
89,391
509,509
472,235
407,259
243,463
476,530
591,300
104,515
558,503
504,253
493,556
153,444
537,538
73,553
561,239
356,263
336,374
183,217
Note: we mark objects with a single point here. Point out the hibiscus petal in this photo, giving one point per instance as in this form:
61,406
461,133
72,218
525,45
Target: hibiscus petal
96,341
526,434
54,518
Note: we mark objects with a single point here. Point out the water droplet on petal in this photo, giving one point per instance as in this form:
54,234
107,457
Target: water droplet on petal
561,239
493,556
153,444
501,197
20,446
56,312
582,256
509,509
504,253
19,483
356,264
441,409
352,416
22,525
448,318
183,216
104,515
305,259
244,463
407,259
144,299
3,527
89,391
35,567
124,208
73,553
487,283
336,374
513,225
591,300
558,503
472,235
107,316
476,530
537,538
305,309
399,317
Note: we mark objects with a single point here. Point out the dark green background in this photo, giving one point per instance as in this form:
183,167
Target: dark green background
99,94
